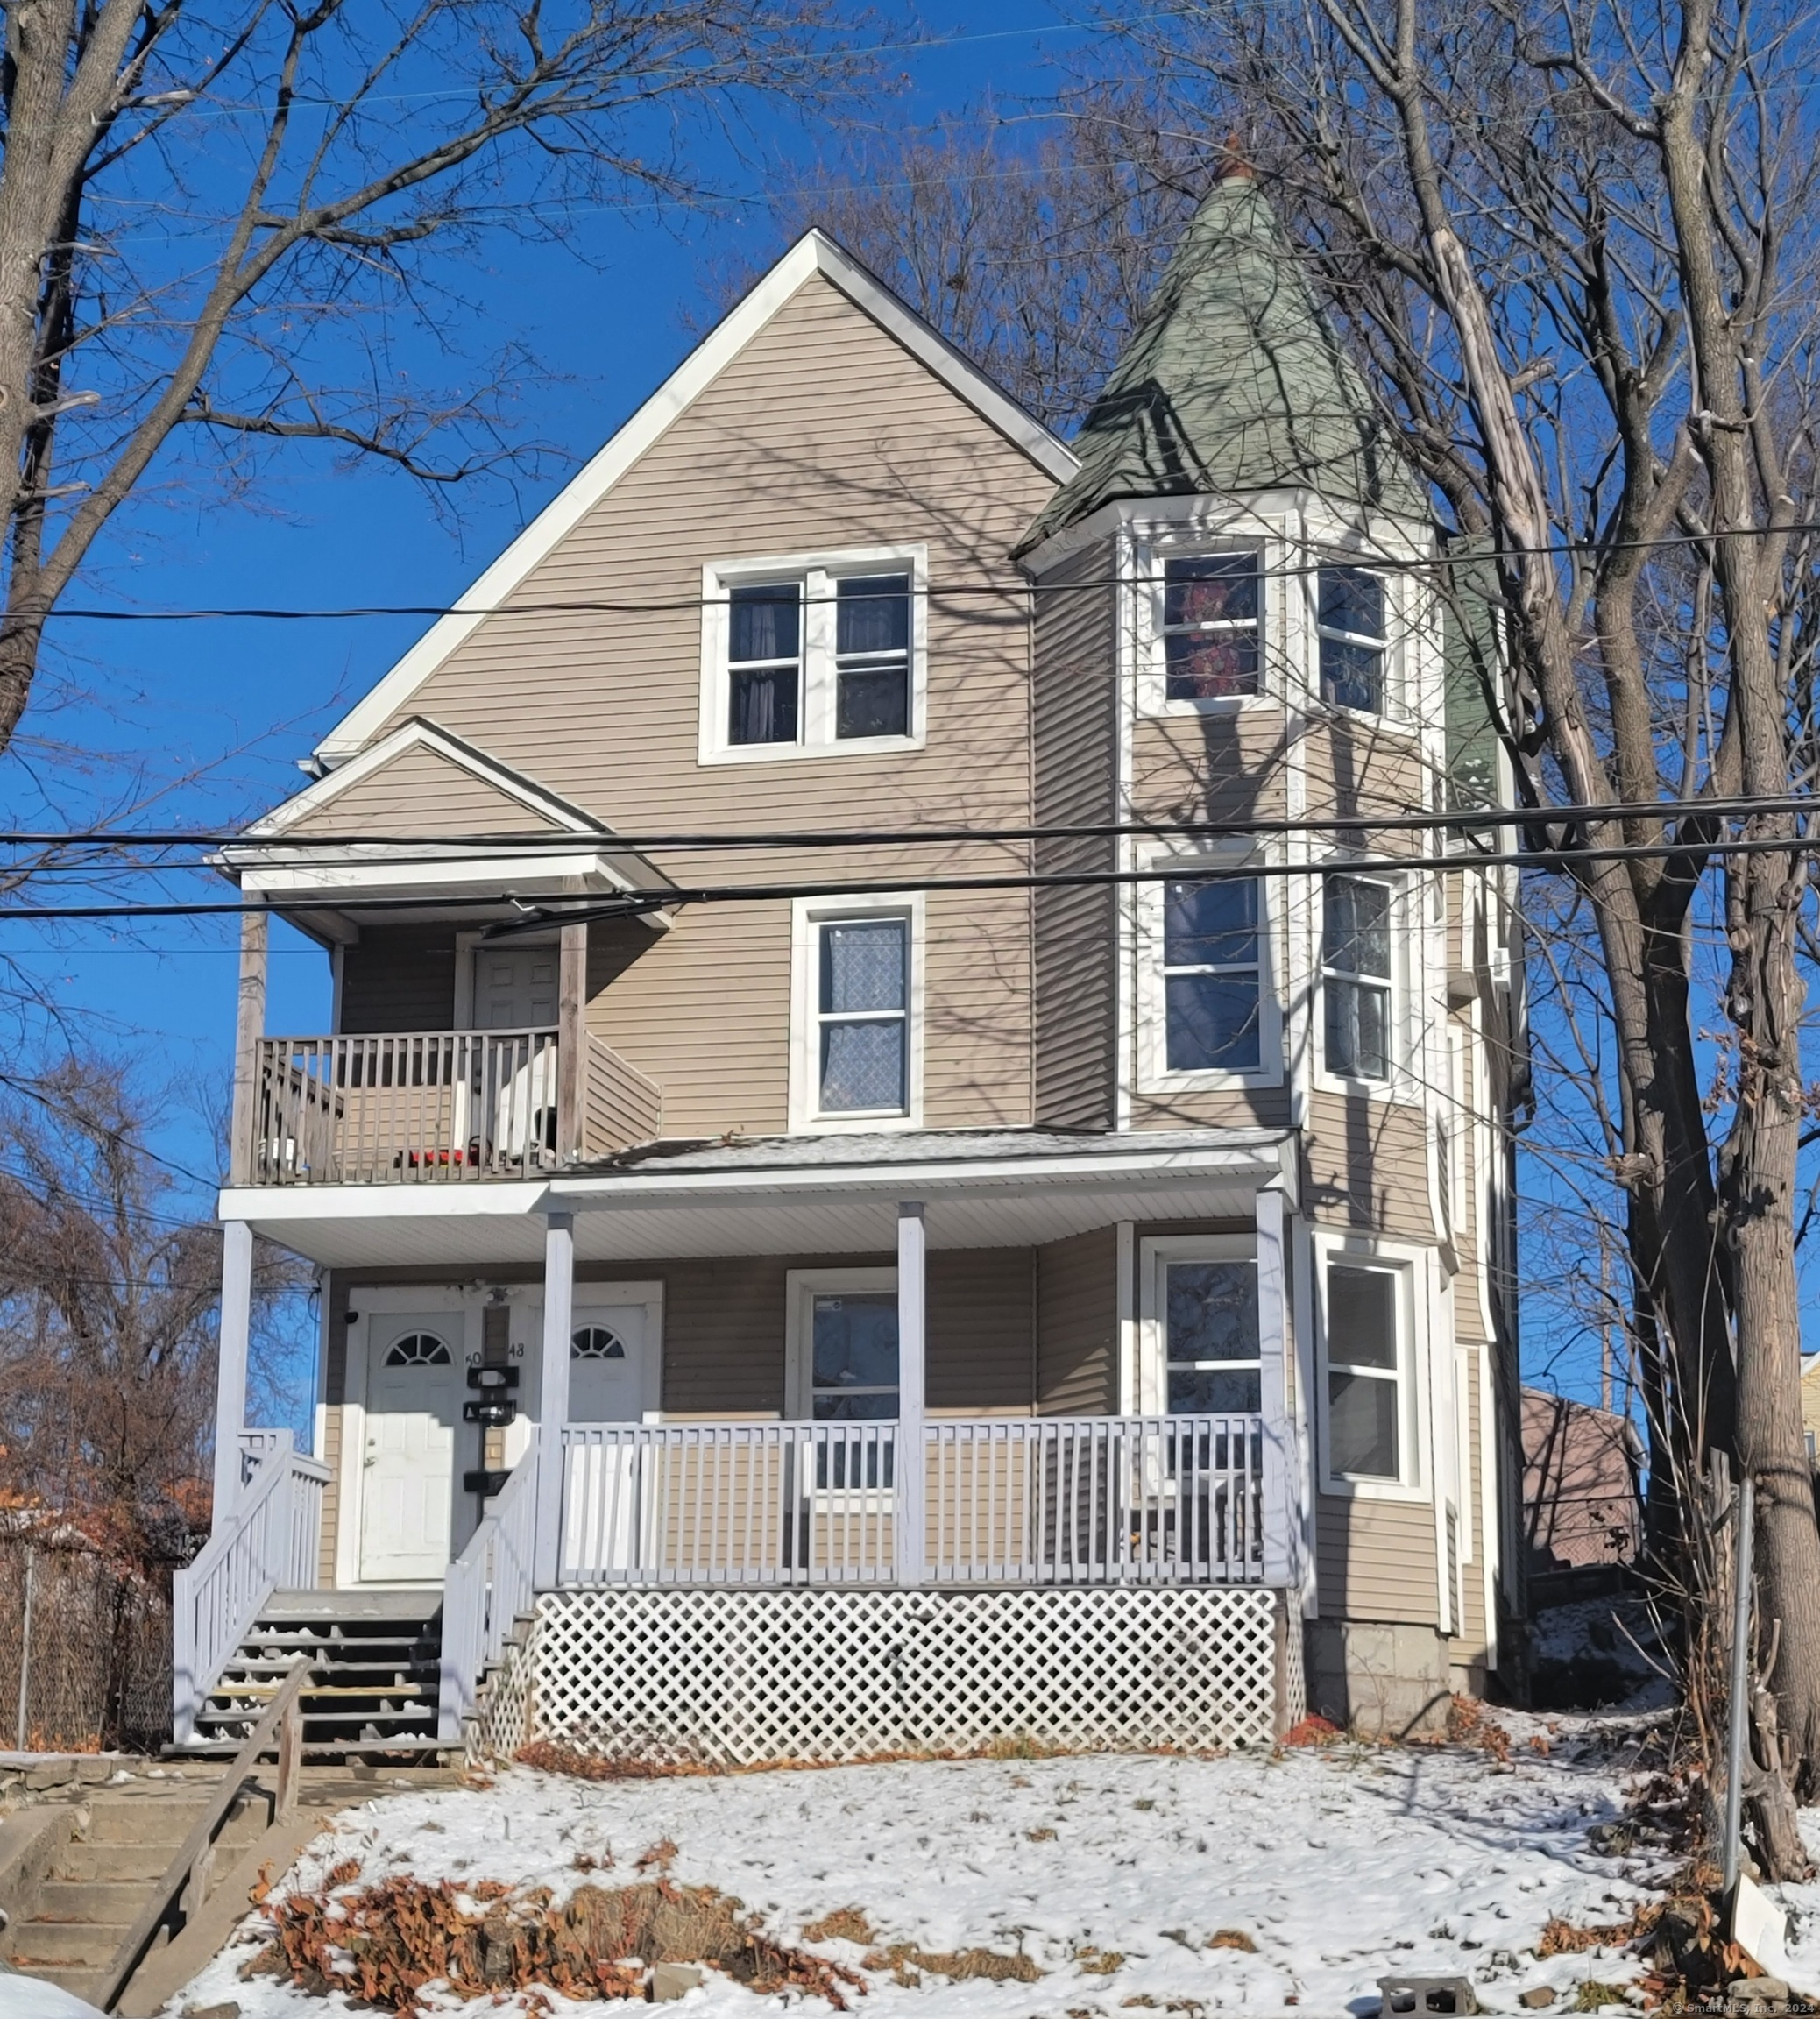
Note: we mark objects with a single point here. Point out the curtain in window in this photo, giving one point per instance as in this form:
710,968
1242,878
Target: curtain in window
864,1000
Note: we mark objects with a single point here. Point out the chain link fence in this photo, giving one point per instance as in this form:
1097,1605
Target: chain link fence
85,1650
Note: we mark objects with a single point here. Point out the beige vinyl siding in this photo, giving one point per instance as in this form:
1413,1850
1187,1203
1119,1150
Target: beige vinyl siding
1211,766
1077,1325
1374,1560
982,1336
330,1455
822,435
1352,769
1241,1108
1366,1164
1075,735
420,791
398,978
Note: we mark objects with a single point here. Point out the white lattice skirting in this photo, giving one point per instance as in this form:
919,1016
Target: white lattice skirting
734,1677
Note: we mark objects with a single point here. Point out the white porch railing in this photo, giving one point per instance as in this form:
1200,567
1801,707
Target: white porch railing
1007,1500
437,1107
488,1586
269,1542
415,1107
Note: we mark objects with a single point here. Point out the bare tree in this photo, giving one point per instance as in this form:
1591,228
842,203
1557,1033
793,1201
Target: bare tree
214,225
1571,247
1570,243
108,1303
1032,255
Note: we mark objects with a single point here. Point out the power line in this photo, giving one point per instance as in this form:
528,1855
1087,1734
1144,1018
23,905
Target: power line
1463,558
1595,814
539,916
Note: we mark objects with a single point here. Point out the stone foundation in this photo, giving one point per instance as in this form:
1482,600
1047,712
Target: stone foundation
1378,1678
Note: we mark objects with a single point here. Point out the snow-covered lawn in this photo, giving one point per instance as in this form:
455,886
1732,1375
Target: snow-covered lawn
1112,1873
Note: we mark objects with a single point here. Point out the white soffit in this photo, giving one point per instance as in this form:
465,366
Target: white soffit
812,253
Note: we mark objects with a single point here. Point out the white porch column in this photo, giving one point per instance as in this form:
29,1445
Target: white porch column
553,1394
230,1366
912,1343
1282,1520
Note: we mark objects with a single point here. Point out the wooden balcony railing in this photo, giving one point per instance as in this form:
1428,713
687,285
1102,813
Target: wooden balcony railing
437,1107
1007,1500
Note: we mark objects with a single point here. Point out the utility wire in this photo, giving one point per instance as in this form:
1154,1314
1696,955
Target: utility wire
541,911
1462,557
1737,806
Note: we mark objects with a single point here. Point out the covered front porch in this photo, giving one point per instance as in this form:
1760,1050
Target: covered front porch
825,1282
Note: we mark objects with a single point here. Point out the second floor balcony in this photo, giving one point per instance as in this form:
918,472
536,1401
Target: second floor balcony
436,1107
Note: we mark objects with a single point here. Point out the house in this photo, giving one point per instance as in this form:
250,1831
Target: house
899,1158
1582,1469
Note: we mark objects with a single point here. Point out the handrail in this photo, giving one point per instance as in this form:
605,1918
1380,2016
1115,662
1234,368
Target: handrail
285,1710
1160,1499
487,1588
268,1542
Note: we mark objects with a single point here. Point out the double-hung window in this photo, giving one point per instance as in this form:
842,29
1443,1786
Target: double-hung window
862,1015
764,663
872,645
812,658
1356,977
1355,639
1364,1372
1212,1365
1212,975
1211,611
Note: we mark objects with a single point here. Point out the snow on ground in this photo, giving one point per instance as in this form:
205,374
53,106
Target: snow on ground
1111,1873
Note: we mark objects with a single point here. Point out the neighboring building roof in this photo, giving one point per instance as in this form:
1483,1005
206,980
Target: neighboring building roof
1580,1472
813,254
1233,382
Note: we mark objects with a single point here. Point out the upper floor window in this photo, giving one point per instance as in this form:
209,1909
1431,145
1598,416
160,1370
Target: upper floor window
812,657
862,1012
1211,611
1355,639
1212,976
1356,977
764,663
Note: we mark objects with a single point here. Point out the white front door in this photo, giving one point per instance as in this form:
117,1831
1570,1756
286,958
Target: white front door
413,1390
515,989
608,1368
612,1378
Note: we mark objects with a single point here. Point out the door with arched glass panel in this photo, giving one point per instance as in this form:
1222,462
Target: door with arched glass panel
413,1375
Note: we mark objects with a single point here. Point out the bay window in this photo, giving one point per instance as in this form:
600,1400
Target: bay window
1355,639
1364,1372
1356,981
1212,975
1211,605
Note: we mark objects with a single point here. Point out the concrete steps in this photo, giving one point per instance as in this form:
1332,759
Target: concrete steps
119,1844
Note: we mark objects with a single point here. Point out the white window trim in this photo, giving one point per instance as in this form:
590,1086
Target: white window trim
1401,713
1154,1074
807,915
802,1287
1148,553
1153,1397
1410,1265
819,570
1399,1083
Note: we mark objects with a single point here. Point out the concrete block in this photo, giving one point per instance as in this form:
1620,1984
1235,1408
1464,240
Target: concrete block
50,1774
673,1981
1378,1679
1422,1996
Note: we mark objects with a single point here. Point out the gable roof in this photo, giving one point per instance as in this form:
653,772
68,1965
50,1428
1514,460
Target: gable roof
812,254
1233,382
334,798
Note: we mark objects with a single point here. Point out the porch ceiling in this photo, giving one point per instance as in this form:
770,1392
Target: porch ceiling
999,1190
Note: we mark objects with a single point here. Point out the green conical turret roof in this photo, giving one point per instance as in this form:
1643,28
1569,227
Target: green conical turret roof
1233,382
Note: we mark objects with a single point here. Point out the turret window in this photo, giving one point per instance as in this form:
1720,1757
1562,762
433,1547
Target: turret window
1355,639
1211,605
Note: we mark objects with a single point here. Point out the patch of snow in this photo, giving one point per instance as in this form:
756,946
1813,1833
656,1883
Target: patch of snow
1113,1873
